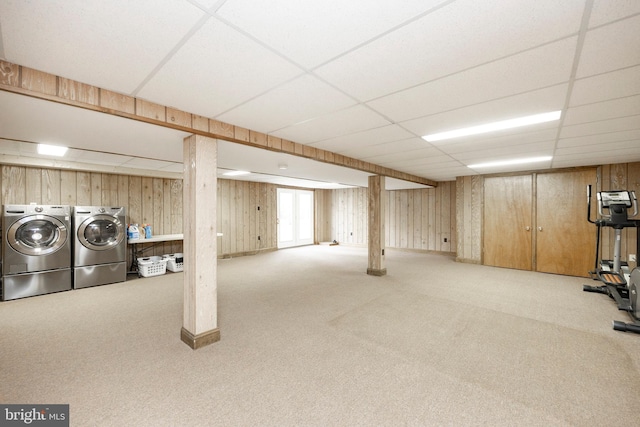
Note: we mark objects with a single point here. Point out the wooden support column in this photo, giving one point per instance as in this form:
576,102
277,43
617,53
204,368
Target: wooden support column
377,202
200,318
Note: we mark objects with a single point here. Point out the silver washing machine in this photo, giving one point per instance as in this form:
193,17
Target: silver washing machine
36,250
100,245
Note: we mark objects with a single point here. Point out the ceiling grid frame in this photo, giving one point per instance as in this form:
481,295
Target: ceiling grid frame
471,35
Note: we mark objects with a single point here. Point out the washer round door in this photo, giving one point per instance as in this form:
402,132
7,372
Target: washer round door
37,235
101,232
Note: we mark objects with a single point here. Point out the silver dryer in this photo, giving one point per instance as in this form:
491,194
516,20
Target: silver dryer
99,254
36,250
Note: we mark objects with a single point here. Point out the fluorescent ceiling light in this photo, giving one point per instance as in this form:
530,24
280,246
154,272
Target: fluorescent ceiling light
236,173
490,127
510,162
52,150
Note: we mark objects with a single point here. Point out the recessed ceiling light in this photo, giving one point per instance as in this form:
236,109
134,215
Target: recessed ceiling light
52,150
236,173
490,127
510,162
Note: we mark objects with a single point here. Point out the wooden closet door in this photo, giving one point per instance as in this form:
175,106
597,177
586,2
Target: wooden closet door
507,222
565,240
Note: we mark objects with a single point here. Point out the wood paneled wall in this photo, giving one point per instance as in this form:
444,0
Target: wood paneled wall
323,200
469,202
155,201
348,222
422,219
414,219
469,198
246,217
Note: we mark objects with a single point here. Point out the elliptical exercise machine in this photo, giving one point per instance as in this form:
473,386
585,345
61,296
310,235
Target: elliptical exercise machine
618,282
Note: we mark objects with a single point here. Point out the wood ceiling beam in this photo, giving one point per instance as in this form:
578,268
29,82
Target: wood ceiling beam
39,84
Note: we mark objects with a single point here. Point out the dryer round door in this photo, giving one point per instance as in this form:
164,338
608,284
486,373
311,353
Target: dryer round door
101,232
37,235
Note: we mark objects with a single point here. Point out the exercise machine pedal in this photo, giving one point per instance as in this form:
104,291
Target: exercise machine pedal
612,278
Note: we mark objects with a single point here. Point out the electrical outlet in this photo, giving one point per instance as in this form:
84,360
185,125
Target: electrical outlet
632,257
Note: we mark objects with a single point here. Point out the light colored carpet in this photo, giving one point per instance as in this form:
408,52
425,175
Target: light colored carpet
309,339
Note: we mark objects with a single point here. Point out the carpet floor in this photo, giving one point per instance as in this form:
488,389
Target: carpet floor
309,339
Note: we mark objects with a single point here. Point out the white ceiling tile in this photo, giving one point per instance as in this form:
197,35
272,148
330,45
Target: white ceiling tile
102,158
507,138
435,160
614,108
539,101
73,154
605,11
611,47
9,147
463,145
31,148
584,158
598,139
173,167
514,75
600,148
301,99
228,67
111,44
310,33
602,87
542,150
357,142
484,154
585,161
386,156
380,150
514,168
445,165
344,122
207,4
601,127
141,163
247,64
464,34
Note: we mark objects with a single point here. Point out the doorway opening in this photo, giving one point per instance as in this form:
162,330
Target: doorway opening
295,217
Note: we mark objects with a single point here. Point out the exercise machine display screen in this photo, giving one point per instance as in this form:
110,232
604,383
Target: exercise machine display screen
615,197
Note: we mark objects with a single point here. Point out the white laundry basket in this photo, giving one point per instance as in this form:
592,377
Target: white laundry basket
152,266
175,262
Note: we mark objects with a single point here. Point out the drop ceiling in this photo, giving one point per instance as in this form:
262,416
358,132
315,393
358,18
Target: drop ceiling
361,78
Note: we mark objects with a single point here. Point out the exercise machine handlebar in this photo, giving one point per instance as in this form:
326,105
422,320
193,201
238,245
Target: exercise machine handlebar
589,204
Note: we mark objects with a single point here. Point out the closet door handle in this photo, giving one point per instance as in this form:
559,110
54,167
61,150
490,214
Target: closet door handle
527,228
539,228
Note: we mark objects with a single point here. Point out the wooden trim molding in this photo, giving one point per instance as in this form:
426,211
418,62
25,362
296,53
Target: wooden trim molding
376,272
38,84
200,340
